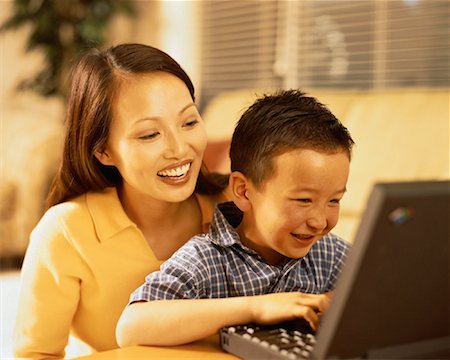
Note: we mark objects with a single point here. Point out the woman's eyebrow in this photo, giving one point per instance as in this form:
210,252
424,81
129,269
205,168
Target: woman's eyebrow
158,117
185,108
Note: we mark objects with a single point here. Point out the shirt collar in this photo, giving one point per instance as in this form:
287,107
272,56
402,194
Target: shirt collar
107,213
226,218
207,205
222,232
110,218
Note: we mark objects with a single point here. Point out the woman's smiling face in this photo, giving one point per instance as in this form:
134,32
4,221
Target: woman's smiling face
157,137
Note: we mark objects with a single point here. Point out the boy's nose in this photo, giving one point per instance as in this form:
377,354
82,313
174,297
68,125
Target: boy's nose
317,220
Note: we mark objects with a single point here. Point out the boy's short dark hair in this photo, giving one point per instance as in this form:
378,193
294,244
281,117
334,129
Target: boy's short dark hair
284,121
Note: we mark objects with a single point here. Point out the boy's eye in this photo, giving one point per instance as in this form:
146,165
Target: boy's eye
336,201
304,201
149,136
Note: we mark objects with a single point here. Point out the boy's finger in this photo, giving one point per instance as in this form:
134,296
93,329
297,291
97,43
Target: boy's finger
311,316
317,301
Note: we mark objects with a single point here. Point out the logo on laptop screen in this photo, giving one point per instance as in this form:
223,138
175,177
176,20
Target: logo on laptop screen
401,215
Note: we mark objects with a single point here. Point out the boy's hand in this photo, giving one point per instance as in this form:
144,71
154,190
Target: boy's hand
279,307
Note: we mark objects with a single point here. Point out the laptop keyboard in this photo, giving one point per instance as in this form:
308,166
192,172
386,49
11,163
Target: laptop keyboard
293,340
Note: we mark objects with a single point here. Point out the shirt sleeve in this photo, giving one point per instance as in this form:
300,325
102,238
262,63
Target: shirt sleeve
49,292
183,276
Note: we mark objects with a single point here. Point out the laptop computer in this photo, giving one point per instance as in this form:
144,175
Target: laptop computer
392,298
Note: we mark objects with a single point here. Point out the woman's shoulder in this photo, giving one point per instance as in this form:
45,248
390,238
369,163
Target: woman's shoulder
80,204
78,211
84,201
72,208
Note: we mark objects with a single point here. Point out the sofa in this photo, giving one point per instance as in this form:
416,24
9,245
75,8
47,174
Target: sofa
400,135
32,134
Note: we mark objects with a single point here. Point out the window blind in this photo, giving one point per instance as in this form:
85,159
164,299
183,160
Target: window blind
238,45
324,43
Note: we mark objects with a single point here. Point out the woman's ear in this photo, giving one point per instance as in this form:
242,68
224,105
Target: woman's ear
104,157
239,186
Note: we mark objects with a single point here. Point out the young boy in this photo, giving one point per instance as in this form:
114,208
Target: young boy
268,256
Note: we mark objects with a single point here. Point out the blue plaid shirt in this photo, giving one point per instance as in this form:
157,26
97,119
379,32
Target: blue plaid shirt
218,265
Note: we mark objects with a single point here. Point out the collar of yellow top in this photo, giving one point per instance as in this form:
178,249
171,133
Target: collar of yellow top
107,213
110,218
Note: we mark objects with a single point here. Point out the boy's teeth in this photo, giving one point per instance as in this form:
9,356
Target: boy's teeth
179,171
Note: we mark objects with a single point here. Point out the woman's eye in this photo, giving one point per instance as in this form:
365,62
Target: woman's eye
149,136
191,123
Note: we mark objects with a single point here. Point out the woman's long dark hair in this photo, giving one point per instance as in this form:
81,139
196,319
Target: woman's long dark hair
89,113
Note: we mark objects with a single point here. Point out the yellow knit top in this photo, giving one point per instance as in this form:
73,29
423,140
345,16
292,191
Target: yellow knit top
84,259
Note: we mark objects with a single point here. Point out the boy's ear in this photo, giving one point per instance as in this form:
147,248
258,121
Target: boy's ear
239,185
104,157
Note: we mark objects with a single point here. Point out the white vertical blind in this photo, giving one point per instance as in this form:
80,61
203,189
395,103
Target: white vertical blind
239,45
324,43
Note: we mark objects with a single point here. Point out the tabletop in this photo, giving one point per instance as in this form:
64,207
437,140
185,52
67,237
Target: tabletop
208,348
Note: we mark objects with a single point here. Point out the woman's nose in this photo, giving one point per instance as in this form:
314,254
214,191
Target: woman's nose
175,146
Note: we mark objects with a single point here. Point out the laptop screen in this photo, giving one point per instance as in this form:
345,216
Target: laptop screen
393,293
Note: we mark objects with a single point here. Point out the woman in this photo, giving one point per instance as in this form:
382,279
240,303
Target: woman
130,190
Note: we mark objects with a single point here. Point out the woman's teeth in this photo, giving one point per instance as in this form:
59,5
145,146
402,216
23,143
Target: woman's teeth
176,172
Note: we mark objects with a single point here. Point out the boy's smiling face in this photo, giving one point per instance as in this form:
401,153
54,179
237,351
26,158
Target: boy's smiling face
296,205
